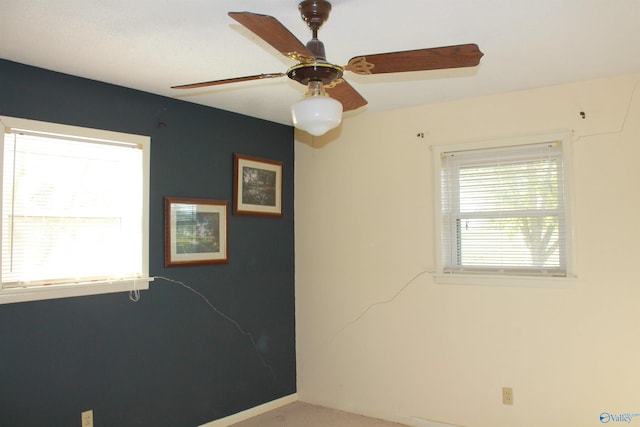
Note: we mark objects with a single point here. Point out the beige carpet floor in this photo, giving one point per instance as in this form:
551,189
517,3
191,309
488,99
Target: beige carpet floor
300,414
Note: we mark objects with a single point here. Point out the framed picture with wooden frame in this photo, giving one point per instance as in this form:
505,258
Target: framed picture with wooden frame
257,186
195,231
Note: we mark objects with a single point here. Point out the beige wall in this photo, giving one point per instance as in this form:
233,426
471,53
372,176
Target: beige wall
377,336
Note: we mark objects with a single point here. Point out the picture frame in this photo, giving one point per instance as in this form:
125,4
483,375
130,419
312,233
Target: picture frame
257,186
195,231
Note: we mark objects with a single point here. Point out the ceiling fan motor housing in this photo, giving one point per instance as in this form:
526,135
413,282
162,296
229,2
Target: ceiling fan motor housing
319,71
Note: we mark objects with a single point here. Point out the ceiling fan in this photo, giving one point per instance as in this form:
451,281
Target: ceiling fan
328,92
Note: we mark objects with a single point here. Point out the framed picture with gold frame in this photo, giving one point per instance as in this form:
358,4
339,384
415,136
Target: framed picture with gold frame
195,231
257,186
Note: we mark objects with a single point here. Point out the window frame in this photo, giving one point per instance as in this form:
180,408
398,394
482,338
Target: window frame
504,279
36,293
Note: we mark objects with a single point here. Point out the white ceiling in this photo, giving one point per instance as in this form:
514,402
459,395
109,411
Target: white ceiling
151,45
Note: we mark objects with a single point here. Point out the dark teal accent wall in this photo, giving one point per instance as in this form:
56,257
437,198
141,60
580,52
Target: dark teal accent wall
169,359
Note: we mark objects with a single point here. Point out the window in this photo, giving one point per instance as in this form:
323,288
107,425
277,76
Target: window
74,211
502,212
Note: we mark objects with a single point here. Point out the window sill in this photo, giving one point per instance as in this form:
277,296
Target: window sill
506,281
37,293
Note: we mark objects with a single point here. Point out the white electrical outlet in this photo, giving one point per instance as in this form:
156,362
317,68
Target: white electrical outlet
87,418
507,395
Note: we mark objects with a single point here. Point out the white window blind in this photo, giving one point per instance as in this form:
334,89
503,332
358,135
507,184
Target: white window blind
73,210
503,211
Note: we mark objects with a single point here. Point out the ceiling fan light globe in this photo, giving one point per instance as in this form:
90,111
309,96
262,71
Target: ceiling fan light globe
316,114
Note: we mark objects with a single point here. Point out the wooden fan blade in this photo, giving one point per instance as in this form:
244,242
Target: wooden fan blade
466,55
277,35
225,81
346,94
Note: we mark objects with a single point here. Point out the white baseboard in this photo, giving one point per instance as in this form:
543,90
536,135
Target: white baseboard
420,422
252,412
